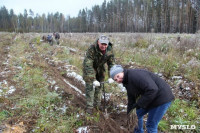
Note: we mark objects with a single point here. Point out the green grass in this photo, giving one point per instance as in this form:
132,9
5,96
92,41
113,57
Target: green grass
181,112
4,114
163,125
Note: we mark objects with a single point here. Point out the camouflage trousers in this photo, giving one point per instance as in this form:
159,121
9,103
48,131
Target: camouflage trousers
93,96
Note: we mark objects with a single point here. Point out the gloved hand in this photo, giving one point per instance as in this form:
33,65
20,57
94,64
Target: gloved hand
110,81
96,83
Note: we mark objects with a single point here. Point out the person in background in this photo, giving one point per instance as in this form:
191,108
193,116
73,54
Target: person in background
146,92
57,37
97,55
50,39
44,38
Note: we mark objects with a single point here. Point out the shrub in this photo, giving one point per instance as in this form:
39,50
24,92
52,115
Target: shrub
141,43
169,66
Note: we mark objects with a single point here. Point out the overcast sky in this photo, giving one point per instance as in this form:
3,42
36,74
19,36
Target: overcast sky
67,7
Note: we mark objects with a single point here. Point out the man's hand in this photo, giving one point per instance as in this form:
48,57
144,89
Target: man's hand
132,109
96,83
110,81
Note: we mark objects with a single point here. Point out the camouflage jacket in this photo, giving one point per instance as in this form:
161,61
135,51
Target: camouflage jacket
94,62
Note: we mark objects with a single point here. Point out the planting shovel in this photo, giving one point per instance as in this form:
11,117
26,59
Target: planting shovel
104,99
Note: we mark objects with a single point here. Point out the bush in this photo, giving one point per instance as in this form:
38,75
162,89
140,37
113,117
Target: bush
169,66
141,43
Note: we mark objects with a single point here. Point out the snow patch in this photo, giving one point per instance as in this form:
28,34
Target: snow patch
123,89
77,77
75,88
63,109
5,89
176,77
82,129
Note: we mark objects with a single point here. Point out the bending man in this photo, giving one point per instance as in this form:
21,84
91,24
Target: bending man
146,92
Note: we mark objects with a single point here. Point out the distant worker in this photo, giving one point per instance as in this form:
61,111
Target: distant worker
44,38
97,55
147,93
57,37
50,39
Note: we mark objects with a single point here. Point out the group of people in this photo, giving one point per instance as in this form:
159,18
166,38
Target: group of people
52,38
146,92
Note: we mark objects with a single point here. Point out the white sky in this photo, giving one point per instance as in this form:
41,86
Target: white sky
67,7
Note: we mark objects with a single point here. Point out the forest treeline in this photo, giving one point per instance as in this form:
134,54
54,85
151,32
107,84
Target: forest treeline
165,16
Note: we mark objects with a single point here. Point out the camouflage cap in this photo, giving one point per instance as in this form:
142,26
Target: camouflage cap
104,39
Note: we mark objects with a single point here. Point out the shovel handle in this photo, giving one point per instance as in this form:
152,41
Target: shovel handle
104,97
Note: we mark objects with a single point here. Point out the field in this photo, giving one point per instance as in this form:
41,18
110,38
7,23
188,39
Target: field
42,90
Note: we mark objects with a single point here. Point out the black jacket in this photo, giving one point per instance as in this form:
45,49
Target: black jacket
145,89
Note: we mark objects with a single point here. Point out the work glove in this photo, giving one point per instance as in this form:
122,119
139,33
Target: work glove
110,81
96,83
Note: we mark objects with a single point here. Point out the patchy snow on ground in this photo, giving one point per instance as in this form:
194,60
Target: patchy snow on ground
78,115
77,77
82,130
63,109
122,105
75,88
123,89
4,73
159,74
57,87
176,77
52,82
5,89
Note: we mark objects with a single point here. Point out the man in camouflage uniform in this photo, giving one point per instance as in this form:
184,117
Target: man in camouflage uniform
97,55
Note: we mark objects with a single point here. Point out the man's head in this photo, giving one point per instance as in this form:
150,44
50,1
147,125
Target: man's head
117,73
103,42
